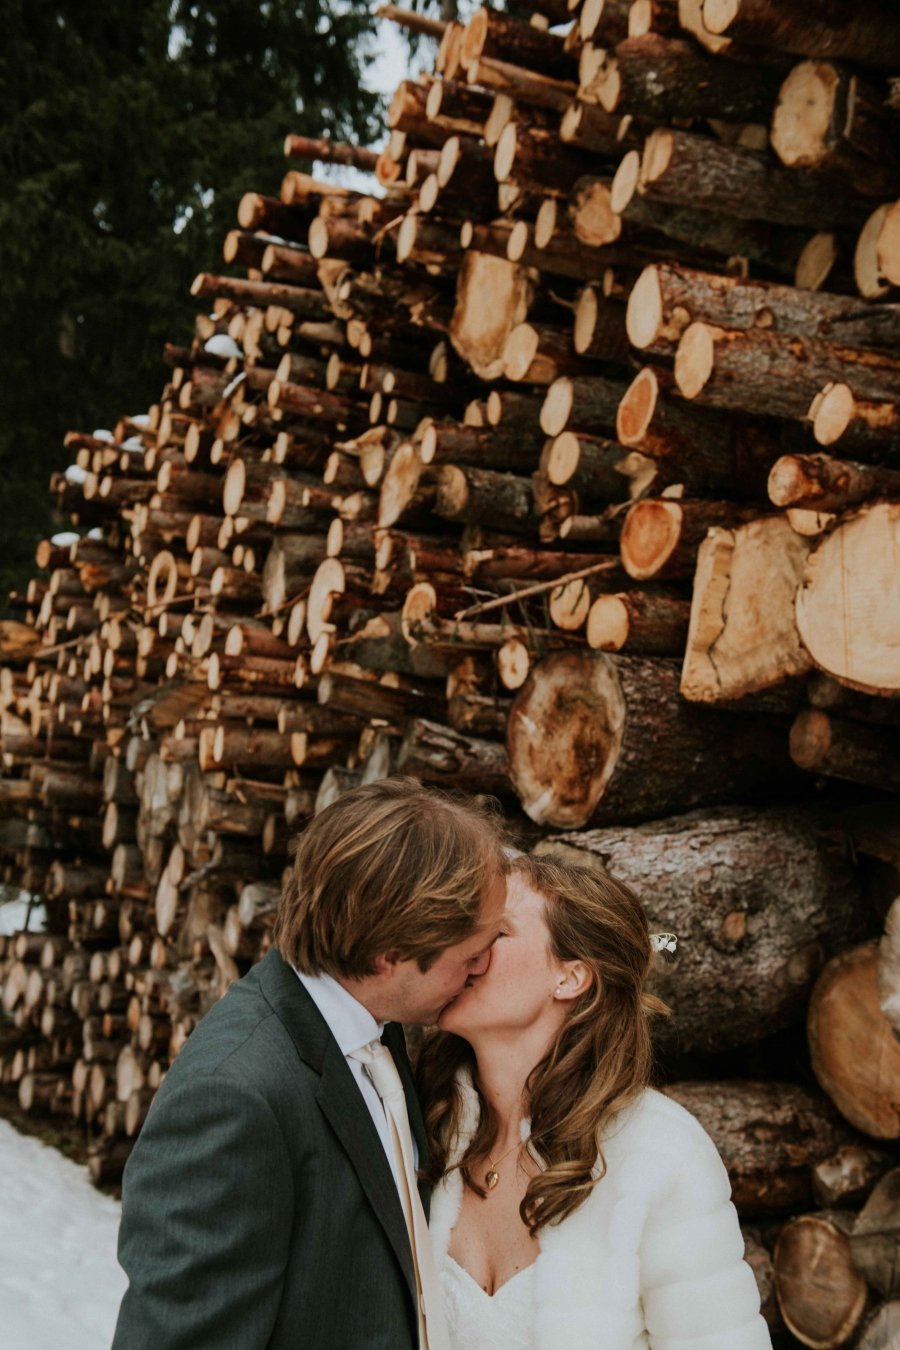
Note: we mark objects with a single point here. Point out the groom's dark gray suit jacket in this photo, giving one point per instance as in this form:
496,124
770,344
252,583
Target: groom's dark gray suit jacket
259,1207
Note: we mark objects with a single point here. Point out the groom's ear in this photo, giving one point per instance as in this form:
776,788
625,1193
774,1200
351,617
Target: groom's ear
386,964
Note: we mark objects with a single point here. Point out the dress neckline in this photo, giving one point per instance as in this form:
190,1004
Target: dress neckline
497,1292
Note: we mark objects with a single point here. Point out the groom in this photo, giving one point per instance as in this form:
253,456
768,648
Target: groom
271,1198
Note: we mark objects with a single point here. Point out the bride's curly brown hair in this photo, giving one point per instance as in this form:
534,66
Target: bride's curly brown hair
600,1061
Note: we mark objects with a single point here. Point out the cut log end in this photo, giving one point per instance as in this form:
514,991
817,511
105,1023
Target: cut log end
637,407
556,406
585,320
866,265
816,261
505,154
832,413
644,315
649,537
520,350
625,182
608,624
810,738
821,1294
694,359
513,663
802,117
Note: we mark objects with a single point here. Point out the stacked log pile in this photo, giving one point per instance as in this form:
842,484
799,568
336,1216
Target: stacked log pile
564,469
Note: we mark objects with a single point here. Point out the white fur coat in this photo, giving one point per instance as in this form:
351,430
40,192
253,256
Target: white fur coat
654,1257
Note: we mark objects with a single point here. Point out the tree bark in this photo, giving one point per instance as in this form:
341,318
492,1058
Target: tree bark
855,426
864,33
743,633
746,959
308,304
481,447
599,738
588,127
695,171
524,85
597,469
848,607
330,152
533,159
769,1136
853,1051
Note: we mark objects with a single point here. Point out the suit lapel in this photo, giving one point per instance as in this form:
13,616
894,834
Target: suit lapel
341,1102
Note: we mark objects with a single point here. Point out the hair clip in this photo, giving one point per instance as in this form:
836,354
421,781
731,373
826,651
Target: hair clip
663,942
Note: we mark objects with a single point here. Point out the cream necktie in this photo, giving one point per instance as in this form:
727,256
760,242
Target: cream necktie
382,1070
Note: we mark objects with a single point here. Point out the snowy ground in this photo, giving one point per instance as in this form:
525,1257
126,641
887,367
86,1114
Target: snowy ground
60,1284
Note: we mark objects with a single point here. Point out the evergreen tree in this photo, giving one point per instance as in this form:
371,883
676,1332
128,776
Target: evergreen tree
128,133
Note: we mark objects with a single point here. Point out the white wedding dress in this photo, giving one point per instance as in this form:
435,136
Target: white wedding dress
480,1321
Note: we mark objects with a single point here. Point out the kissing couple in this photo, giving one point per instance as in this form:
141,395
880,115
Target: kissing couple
298,1186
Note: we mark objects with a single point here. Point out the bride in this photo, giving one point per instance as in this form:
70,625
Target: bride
574,1207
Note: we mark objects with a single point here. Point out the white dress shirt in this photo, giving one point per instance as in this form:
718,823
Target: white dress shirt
352,1026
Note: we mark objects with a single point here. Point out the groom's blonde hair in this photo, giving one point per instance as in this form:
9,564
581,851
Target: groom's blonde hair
389,867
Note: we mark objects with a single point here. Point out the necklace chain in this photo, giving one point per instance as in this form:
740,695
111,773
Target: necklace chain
492,1176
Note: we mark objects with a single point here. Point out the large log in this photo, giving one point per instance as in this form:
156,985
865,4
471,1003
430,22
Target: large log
848,606
598,738
821,1292
853,1050
743,632
866,33
667,297
769,1136
492,296
746,956
690,170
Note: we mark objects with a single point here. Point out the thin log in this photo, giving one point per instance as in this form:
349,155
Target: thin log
667,298
825,484
734,368
691,170
862,33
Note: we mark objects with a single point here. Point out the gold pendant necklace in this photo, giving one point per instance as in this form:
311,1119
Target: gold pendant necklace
492,1176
